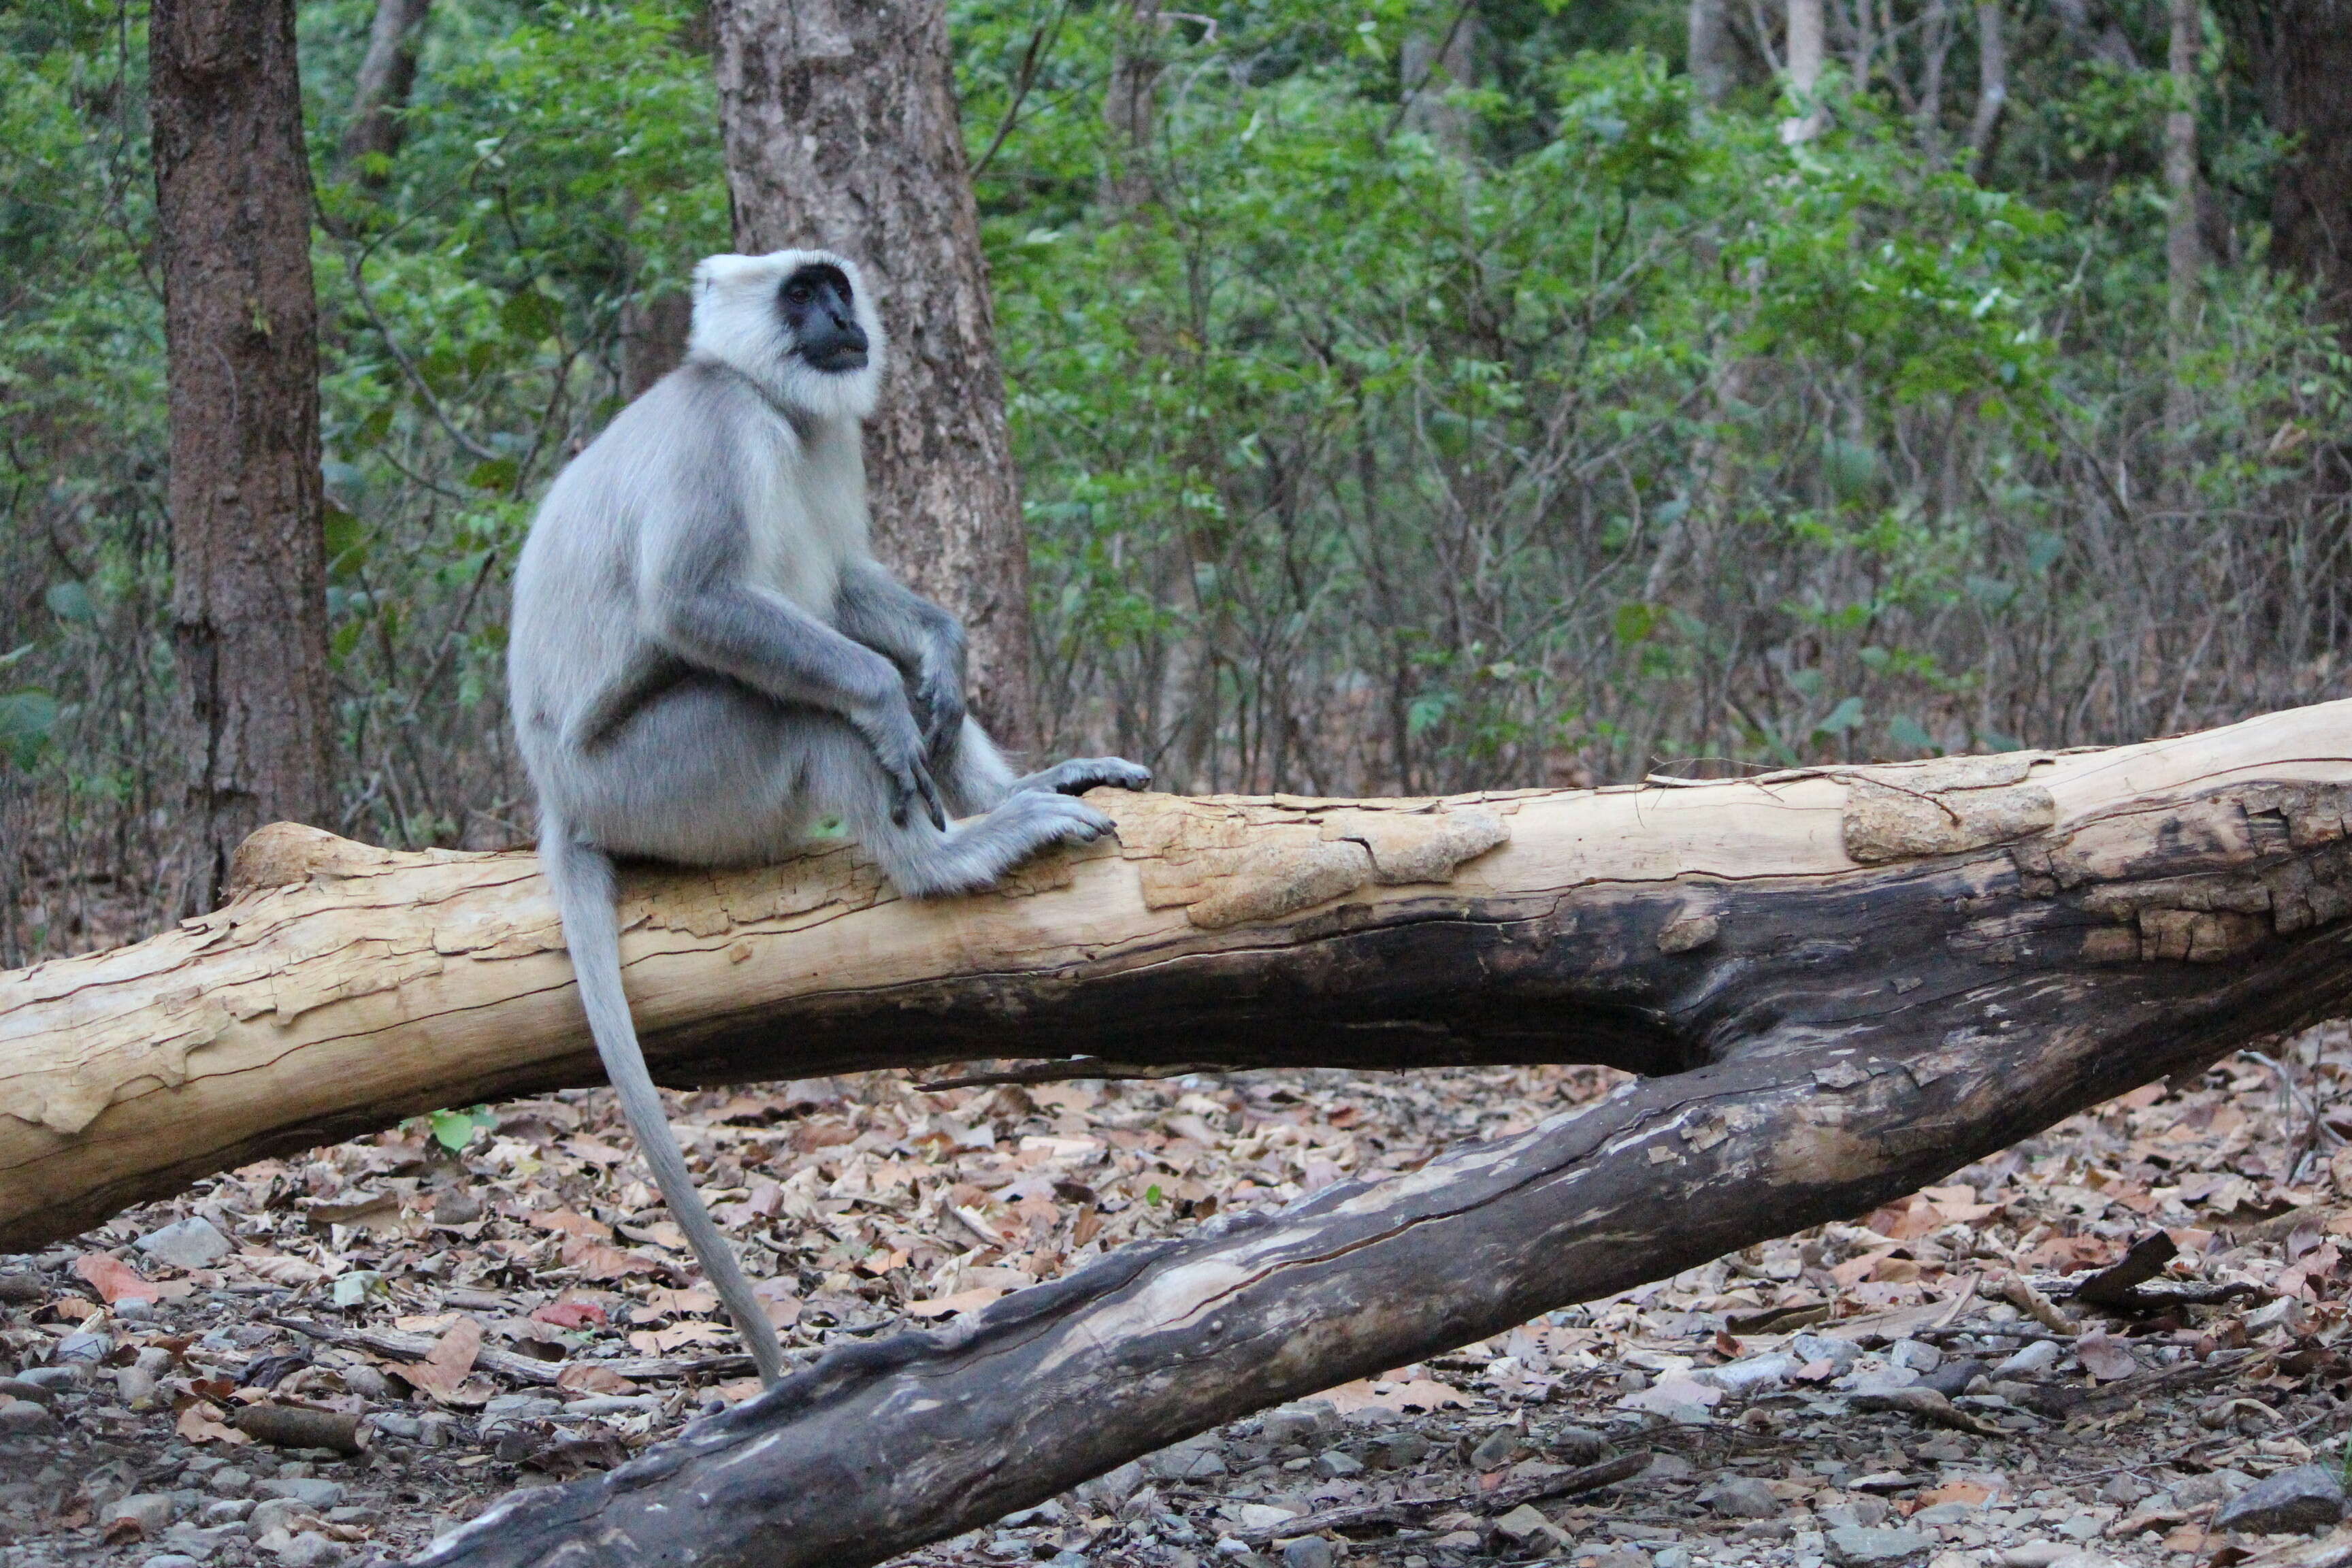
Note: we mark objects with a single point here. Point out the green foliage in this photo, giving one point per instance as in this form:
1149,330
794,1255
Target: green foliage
453,1129
1550,430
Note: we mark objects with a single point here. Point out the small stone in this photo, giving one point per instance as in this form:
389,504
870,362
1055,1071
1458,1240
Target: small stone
1405,1450
1952,1379
1672,1557
149,1513
278,1514
1254,1517
1866,1512
1467,1541
1942,1513
52,1377
1839,1353
1307,1551
2083,1527
312,1493
310,1551
1332,1464
1067,1558
2309,1497
2032,1361
192,1243
229,1482
2212,1487
1743,1497
1524,1523
22,1418
1916,1355
18,1388
1859,1545
132,1384
1568,1445
1496,1448
2036,1553
226,1510
169,1560
1752,1372
1188,1460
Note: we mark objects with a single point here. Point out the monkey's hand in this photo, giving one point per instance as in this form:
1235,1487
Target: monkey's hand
936,694
1080,775
889,728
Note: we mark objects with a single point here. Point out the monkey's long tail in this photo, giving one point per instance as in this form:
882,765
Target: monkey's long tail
582,877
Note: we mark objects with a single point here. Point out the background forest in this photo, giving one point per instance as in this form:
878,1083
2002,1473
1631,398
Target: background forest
1407,396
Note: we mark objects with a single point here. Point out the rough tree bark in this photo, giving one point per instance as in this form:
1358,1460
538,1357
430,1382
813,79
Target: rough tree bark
841,132
240,325
2300,56
387,74
1807,49
2008,941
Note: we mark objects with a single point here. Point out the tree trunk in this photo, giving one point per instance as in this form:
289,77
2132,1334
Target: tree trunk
1130,104
1708,48
841,132
1656,929
2184,255
240,322
1845,1036
1430,66
1992,89
1807,50
2301,55
386,75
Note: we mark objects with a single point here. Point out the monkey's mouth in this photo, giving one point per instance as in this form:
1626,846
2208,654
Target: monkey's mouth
840,361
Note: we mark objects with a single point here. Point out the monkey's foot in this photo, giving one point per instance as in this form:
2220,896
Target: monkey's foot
1079,775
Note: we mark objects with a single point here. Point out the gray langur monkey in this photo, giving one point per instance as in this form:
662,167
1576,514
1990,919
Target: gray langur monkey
706,661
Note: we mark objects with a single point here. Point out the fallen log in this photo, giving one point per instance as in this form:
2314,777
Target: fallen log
1845,982
1653,929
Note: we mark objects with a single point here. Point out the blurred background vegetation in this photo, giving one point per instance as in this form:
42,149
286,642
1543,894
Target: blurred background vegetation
1408,396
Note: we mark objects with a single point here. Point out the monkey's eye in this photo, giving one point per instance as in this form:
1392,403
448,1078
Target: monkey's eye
799,293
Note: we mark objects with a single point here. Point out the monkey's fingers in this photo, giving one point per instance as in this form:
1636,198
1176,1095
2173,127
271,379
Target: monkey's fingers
930,793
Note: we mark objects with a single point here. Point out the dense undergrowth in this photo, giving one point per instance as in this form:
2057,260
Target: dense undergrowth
1550,434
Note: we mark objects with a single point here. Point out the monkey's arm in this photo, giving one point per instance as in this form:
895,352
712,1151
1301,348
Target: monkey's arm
877,609
701,611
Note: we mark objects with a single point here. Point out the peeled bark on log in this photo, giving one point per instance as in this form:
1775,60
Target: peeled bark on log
2071,908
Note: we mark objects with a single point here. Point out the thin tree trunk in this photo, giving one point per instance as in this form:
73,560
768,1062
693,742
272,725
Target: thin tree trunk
2301,51
1131,106
841,132
240,321
386,75
2184,251
1806,51
1709,50
1430,66
1992,89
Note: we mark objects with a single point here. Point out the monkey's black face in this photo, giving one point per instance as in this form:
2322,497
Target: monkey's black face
815,304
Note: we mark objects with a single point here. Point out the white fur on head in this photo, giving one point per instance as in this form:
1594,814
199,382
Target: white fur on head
738,321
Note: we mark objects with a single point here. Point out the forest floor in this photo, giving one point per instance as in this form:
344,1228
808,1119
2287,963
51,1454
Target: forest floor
565,1329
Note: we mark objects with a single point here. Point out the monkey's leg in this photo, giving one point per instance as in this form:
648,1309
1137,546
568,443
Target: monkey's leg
921,860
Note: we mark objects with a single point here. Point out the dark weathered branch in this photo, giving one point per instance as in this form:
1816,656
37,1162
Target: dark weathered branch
1848,1037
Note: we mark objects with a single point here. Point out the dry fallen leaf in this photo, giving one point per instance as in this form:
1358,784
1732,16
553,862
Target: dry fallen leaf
446,1366
115,1281
1423,1394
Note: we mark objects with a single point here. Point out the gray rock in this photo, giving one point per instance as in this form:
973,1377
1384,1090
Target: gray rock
2309,1497
1188,1460
1106,1491
1497,1448
169,1560
132,1383
150,1511
1861,1546
2213,1485
1524,1524
19,1388
1307,1551
192,1243
594,1405
1568,1445
278,1514
203,1546
1743,1497
1952,1379
1065,1558
134,1310
1404,1450
22,1418
1866,1512
2032,1361
1751,1372
1294,1423
1839,1353
2036,1554
1332,1464
311,1491
310,1551
52,1377
1916,1355
2083,1527
229,1482
226,1510
1943,1513
394,1424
